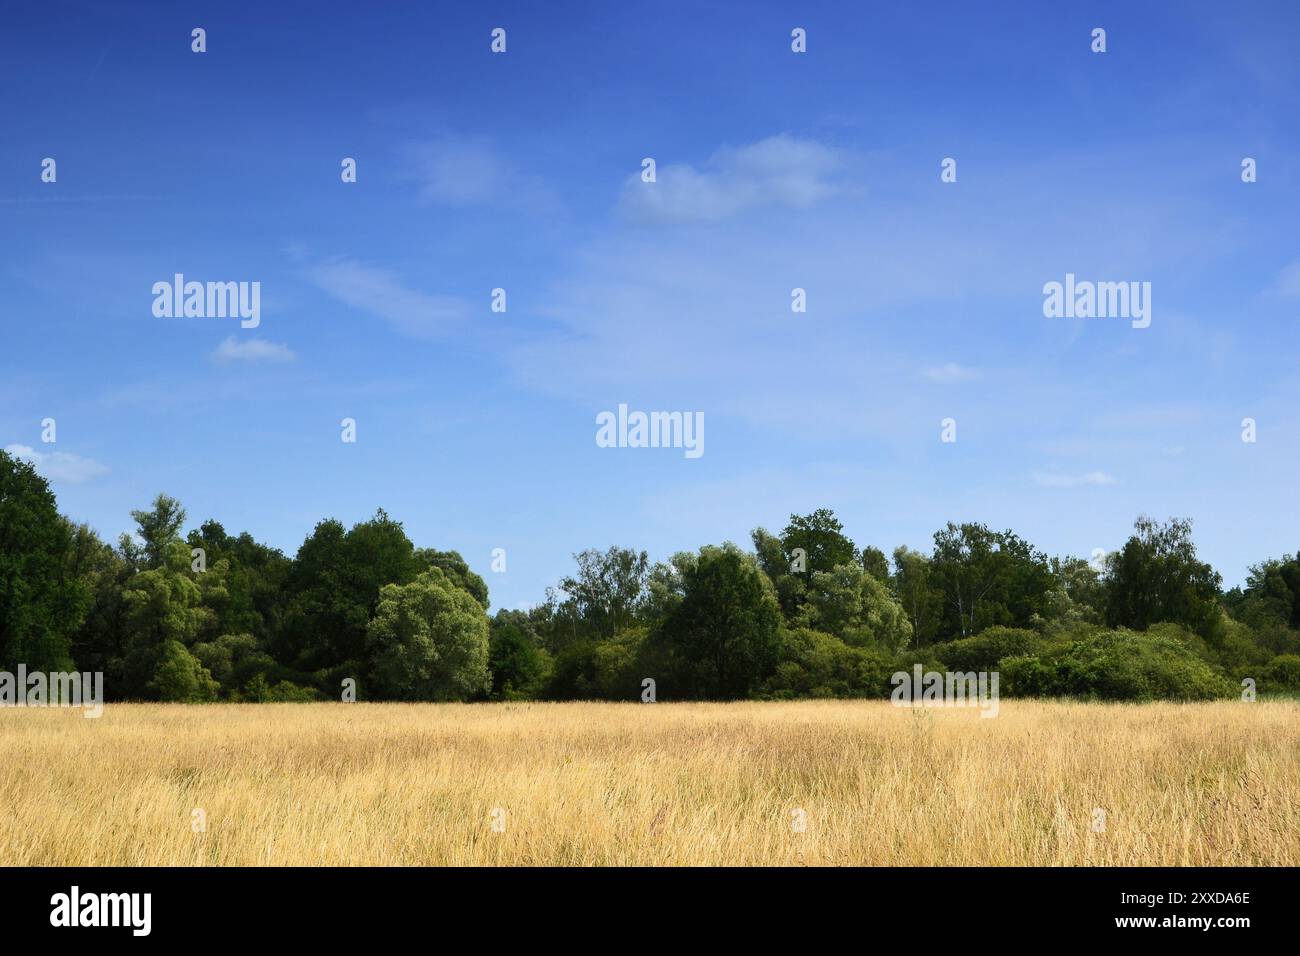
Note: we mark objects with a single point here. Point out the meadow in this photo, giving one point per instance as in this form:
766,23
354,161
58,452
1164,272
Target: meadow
799,783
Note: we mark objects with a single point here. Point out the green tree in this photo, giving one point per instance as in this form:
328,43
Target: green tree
791,588
456,568
1079,595
876,564
333,591
856,607
163,605
100,643
820,539
178,676
988,577
254,580
724,635
919,594
520,666
608,591
42,600
158,528
428,640
1270,604
1157,577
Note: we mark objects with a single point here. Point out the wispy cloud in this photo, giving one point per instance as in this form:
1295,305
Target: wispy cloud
1288,281
777,171
1047,480
60,465
950,374
452,171
234,349
382,293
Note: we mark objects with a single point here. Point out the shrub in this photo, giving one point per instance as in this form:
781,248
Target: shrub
1117,665
179,676
1281,673
1026,675
601,670
983,651
814,664
520,668
287,692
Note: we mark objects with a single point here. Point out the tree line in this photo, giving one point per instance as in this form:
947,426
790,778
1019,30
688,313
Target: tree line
206,615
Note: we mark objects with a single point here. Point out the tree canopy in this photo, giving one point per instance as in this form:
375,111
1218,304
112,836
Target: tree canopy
215,615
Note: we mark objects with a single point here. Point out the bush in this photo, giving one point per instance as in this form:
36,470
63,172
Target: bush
601,670
180,677
983,651
287,692
1117,665
907,661
1281,673
1026,676
520,669
814,664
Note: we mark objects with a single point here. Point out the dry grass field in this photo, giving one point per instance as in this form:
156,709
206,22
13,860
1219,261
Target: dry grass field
586,784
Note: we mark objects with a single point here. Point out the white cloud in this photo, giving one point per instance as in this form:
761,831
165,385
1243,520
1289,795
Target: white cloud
777,171
380,292
460,172
234,349
950,374
1288,281
60,465
1072,481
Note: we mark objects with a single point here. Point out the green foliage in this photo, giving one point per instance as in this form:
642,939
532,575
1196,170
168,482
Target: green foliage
856,607
820,538
876,564
1117,665
724,636
159,528
1078,595
254,576
364,603
988,578
791,588
454,566
334,590
287,692
814,664
601,670
1272,594
1157,577
986,649
520,667
178,676
1281,674
428,640
919,594
259,690
41,602
236,660
608,592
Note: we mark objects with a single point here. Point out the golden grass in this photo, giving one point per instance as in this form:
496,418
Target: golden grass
596,784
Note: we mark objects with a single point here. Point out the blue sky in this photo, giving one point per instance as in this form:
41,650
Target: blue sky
776,170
